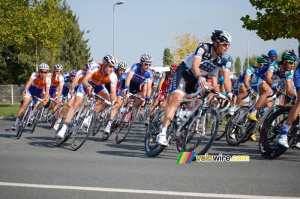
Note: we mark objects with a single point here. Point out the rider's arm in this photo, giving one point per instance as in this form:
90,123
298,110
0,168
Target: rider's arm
128,79
149,88
269,75
227,81
85,80
247,80
160,84
215,83
28,84
195,67
74,83
289,88
60,88
113,93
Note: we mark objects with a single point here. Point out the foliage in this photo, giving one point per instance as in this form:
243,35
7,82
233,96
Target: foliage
168,58
184,45
237,67
275,19
252,62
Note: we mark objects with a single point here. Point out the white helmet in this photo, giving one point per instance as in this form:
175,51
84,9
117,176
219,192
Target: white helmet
111,60
44,66
58,66
90,64
146,58
122,65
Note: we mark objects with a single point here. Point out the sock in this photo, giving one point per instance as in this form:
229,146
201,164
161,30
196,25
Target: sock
58,120
109,122
285,129
17,121
164,131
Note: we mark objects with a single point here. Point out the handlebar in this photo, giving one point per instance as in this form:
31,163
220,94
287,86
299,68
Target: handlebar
98,97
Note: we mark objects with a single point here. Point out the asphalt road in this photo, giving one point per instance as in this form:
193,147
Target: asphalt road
33,167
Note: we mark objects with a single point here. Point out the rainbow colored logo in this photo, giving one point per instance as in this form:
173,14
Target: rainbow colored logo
185,157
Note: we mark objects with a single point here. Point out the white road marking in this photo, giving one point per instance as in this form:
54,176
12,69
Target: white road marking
172,193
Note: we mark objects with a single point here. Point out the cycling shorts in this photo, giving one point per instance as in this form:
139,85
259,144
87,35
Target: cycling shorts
52,91
81,92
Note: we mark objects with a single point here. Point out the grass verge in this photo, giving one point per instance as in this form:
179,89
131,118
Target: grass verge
9,110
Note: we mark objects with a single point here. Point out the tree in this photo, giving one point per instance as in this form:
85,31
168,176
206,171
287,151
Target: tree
184,45
252,62
168,58
275,19
237,67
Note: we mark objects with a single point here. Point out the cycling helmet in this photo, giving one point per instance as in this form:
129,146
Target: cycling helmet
289,56
90,64
221,36
263,59
44,66
58,66
73,73
173,67
272,53
111,60
122,65
146,58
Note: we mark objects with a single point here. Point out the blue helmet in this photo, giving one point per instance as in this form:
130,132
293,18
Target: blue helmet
272,53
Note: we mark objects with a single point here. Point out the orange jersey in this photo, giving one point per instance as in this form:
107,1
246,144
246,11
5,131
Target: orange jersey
56,80
80,74
99,79
38,82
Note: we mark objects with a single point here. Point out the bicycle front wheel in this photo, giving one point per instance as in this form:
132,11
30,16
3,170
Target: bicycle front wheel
202,131
268,144
23,122
82,132
124,128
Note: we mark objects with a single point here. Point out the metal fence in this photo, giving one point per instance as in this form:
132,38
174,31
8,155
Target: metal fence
10,94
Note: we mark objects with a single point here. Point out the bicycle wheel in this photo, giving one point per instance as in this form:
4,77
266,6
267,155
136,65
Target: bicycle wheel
23,122
268,144
56,115
124,128
98,124
202,131
81,133
59,141
236,127
222,128
36,119
152,148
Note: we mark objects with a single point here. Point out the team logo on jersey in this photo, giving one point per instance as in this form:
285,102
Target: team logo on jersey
253,80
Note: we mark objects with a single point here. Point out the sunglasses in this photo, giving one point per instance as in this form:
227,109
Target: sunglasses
291,62
146,64
44,72
225,45
58,71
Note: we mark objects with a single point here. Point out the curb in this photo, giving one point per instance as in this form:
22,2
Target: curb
8,117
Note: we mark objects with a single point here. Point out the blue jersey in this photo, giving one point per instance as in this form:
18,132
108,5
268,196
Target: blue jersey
251,72
277,75
138,76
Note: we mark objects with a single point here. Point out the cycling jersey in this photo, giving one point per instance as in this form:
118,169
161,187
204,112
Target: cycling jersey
80,74
208,65
67,85
297,77
38,85
38,82
99,79
277,76
120,83
167,82
138,76
56,80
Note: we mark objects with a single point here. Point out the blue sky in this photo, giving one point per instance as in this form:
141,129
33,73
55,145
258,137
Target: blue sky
149,26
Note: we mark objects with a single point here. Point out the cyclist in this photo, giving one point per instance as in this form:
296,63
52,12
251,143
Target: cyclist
205,60
38,85
96,77
74,87
120,72
56,88
163,86
272,55
247,82
138,74
294,112
271,76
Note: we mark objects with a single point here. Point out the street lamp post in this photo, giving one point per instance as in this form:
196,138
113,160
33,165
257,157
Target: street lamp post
248,49
118,3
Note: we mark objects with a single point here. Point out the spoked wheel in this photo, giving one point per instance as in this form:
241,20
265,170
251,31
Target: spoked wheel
36,119
59,141
56,115
236,127
98,124
268,144
222,128
23,123
201,133
124,128
151,146
82,132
